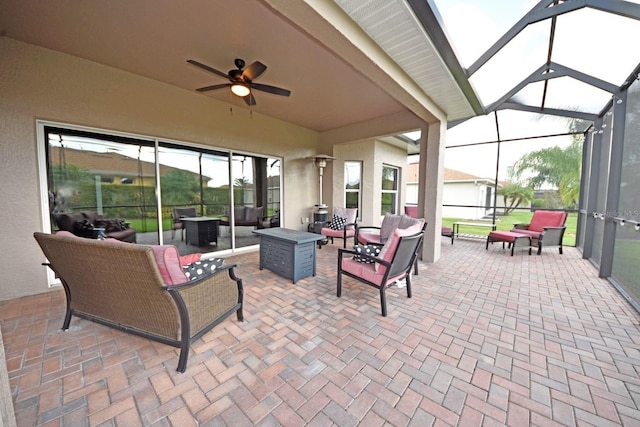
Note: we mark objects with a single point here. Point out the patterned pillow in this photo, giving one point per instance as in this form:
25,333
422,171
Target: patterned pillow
199,269
371,250
337,223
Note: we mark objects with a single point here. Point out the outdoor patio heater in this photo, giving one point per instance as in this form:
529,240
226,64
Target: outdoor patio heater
320,212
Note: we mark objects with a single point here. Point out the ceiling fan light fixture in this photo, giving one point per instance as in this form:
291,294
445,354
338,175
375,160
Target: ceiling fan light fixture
240,89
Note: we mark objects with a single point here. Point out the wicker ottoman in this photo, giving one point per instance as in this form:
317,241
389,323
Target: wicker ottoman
508,237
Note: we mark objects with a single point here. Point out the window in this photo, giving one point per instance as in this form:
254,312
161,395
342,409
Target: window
352,185
389,202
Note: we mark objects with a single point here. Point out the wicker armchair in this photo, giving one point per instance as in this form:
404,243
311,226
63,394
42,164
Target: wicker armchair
128,287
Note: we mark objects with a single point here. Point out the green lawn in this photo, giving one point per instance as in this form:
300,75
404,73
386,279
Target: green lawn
505,223
150,224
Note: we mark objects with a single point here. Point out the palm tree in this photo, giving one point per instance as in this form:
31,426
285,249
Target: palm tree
517,194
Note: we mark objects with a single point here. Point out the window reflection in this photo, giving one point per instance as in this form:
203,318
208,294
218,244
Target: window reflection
211,200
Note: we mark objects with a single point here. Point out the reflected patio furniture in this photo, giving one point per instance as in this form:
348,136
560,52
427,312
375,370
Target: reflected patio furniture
272,221
341,226
178,214
93,225
244,216
393,263
545,229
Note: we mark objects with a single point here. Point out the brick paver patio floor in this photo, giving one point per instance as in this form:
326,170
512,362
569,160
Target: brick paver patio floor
487,339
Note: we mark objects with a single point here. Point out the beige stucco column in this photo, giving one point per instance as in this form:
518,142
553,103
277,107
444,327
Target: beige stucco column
430,184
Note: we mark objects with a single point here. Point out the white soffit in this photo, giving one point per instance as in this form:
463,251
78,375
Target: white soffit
394,27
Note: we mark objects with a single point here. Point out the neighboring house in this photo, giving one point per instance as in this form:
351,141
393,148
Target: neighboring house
464,195
112,168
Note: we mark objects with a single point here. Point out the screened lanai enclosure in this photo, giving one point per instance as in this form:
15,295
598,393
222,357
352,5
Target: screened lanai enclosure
560,123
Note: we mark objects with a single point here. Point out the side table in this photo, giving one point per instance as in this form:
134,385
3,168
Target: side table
289,253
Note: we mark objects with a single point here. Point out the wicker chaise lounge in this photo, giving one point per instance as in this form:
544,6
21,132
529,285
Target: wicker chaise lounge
138,289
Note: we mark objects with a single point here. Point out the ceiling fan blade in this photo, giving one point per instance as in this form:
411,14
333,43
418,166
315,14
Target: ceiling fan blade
249,99
271,89
254,70
213,87
207,68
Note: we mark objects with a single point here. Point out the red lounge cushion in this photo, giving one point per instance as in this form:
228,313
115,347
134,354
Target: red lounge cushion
505,236
532,234
543,219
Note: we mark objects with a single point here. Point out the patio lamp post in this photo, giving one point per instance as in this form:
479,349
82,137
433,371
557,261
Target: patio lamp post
320,161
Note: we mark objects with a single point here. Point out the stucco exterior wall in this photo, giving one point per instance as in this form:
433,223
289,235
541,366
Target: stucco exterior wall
39,84
463,193
373,154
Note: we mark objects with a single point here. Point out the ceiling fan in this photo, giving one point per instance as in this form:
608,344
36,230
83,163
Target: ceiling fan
241,80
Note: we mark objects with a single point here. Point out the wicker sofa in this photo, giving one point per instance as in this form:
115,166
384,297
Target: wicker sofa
141,289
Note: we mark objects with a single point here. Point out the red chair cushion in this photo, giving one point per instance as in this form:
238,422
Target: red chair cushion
337,233
543,219
365,271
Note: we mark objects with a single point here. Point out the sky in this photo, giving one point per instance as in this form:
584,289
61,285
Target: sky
587,40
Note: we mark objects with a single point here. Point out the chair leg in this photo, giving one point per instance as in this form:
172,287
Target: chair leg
383,301
408,279
339,285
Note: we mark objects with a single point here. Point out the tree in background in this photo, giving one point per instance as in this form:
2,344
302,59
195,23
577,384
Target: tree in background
557,166
180,187
514,195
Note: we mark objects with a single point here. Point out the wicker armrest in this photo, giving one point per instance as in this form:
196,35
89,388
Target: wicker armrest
520,226
210,298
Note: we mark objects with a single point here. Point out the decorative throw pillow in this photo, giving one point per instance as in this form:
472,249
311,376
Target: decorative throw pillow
371,250
199,269
83,228
337,223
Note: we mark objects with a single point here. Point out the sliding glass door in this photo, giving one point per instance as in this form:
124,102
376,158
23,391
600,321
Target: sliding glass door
210,200
93,176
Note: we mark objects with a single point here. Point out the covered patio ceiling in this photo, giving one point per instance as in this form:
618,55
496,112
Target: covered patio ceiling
337,75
